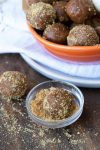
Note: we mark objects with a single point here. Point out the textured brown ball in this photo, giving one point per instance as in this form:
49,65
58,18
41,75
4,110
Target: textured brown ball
82,35
56,33
80,10
30,2
39,15
59,6
13,84
58,103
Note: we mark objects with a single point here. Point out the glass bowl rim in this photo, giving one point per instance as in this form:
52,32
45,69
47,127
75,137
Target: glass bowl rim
55,122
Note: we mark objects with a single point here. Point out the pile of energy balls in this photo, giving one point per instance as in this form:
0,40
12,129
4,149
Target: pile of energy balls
67,22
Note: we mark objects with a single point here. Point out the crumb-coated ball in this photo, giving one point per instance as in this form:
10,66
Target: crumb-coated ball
59,6
39,15
56,33
57,103
82,35
80,10
13,84
30,2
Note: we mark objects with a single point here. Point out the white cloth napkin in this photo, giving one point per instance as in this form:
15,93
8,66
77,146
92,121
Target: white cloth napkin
16,38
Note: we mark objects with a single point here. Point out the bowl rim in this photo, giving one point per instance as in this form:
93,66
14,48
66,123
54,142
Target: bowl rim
60,46
55,122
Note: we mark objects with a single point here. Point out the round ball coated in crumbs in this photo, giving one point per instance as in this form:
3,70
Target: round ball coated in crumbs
30,2
59,6
13,85
58,103
39,15
56,33
80,10
82,35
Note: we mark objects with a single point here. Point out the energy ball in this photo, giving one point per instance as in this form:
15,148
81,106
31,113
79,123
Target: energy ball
56,33
13,84
30,2
82,35
58,103
80,10
39,15
59,6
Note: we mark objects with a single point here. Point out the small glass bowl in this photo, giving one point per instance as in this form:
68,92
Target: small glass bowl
55,123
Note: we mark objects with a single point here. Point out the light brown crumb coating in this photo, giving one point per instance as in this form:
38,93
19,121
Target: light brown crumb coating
13,84
59,103
82,35
57,33
54,104
39,15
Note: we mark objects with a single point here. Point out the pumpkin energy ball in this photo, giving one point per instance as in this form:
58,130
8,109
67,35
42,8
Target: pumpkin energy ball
54,104
59,6
82,35
58,103
39,15
13,84
56,33
80,10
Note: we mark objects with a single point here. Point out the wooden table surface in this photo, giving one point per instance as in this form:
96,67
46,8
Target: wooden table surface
18,132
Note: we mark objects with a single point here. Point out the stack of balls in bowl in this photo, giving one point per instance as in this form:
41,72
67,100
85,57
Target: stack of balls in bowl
67,22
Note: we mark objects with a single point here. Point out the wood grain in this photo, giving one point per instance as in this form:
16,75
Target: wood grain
18,132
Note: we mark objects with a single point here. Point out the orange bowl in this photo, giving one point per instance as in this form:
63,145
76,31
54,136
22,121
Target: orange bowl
74,53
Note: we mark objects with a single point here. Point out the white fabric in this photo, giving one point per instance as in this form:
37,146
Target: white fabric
15,37
96,4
